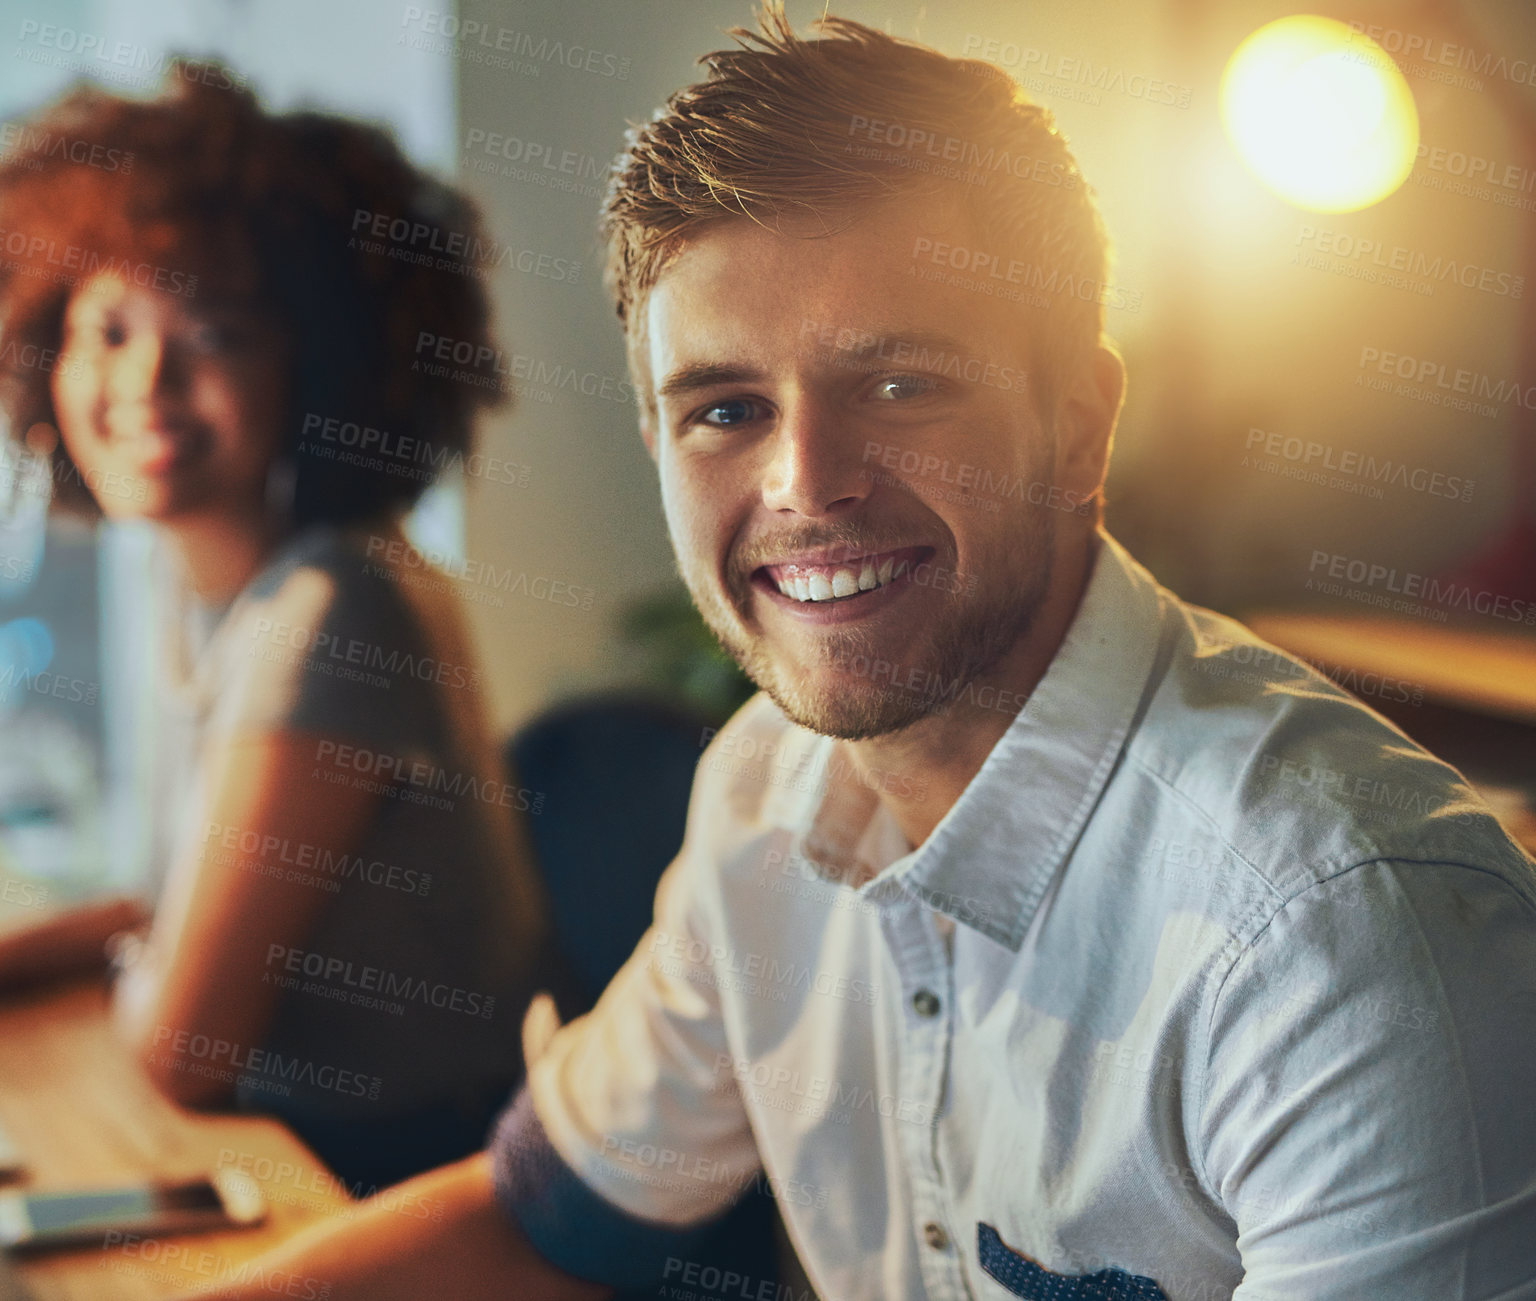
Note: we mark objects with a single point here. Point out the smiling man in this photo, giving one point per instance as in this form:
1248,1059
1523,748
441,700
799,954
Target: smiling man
876,606
1035,933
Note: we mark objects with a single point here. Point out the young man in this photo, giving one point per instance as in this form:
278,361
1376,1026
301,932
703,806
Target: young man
1035,934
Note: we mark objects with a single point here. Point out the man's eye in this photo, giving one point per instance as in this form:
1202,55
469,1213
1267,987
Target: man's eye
734,412
899,388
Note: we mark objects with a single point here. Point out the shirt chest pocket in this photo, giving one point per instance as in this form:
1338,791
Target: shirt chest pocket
1023,1277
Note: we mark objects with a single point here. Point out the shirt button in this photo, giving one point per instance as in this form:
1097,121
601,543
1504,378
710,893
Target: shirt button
934,1235
927,1004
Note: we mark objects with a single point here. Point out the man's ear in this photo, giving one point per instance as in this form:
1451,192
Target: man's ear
638,361
1085,420
648,430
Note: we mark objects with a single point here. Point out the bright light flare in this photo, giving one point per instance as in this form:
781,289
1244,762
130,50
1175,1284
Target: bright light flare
1320,113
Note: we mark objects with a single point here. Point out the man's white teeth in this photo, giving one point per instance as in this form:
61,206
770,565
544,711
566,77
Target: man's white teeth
844,582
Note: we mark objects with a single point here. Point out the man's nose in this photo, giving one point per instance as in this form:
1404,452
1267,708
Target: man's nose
815,467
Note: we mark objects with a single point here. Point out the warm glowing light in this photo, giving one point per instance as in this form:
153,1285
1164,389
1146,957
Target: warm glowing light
1320,114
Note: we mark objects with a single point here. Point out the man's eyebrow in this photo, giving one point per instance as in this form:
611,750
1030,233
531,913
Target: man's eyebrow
702,375
848,345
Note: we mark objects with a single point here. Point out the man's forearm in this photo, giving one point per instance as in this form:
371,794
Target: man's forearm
473,1253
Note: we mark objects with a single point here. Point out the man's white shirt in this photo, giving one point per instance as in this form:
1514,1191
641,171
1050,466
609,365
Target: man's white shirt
1238,998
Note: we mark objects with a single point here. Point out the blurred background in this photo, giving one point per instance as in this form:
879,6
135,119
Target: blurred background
1324,406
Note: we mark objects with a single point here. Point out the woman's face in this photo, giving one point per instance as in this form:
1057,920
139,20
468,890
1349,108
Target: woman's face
171,407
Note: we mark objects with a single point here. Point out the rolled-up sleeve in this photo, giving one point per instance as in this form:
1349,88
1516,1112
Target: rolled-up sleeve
628,1137
1367,1117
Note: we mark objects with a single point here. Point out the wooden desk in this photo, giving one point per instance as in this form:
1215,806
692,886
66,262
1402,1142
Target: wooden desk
1480,670
1473,693
85,1115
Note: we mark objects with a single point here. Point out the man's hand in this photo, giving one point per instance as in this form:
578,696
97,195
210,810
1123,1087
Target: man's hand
474,1252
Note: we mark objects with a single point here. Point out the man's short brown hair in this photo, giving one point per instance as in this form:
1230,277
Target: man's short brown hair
785,127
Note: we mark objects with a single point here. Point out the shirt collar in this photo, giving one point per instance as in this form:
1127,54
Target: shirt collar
991,859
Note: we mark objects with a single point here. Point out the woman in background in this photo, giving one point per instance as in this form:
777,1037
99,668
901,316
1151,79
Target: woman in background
348,925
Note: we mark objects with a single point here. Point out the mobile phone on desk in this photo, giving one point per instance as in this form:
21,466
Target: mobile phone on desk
35,1221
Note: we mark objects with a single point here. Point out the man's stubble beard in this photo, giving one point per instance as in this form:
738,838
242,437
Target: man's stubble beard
975,631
